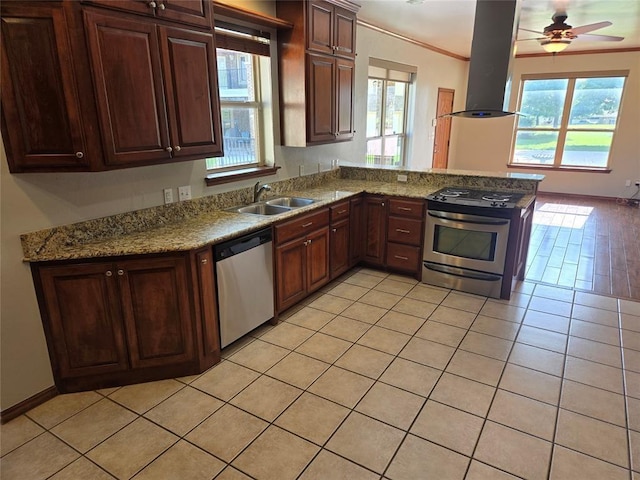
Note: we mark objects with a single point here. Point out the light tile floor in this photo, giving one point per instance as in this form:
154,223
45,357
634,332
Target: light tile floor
376,376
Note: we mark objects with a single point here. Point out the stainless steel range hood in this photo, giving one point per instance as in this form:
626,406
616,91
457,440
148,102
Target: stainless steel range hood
492,50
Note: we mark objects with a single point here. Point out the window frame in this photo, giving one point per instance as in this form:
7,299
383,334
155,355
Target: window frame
564,128
392,69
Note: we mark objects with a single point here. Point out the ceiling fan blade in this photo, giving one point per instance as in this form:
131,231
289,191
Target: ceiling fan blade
532,31
529,39
601,38
590,28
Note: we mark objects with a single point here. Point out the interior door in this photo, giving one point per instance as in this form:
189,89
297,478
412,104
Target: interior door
443,128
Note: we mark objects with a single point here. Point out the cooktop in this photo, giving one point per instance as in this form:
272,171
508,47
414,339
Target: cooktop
476,197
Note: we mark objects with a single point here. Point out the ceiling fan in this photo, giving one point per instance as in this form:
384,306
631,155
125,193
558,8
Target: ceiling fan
559,35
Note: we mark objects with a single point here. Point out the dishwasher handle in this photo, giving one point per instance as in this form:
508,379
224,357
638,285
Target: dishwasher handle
241,244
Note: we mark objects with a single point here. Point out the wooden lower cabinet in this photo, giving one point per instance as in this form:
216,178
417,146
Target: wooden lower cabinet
301,257
375,214
356,230
340,232
123,321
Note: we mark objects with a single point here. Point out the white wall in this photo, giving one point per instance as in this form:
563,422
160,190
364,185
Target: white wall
434,71
485,144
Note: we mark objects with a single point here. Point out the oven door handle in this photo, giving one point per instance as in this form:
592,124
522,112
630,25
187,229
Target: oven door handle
460,217
459,272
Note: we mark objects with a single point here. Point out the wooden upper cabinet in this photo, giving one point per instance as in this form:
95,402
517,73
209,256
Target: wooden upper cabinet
191,83
125,59
194,12
331,29
319,49
42,122
156,90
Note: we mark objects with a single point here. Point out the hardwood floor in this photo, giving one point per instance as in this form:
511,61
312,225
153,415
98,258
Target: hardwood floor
586,243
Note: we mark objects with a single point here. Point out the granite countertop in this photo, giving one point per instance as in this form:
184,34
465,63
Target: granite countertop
211,223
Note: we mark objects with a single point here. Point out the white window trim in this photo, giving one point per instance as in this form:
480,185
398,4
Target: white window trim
564,127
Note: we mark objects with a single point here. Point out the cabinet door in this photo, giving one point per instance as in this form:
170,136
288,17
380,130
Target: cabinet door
290,273
320,26
125,60
196,12
344,99
317,260
321,101
82,319
208,307
356,227
155,302
344,32
191,86
339,247
375,238
41,118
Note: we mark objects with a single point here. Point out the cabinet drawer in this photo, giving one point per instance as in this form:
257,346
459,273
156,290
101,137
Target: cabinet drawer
301,225
404,230
404,257
406,208
339,211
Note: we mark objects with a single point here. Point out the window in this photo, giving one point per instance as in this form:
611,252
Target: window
568,121
244,73
387,103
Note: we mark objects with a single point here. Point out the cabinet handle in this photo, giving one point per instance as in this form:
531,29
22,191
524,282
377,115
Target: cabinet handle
334,230
161,6
305,225
400,257
177,148
306,243
399,230
108,273
204,261
169,149
309,242
406,209
382,204
152,4
120,272
340,212
79,154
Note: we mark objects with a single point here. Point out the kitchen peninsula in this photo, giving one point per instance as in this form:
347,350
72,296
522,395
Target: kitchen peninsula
132,297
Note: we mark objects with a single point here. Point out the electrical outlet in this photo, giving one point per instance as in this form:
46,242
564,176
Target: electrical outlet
402,178
184,193
627,183
168,195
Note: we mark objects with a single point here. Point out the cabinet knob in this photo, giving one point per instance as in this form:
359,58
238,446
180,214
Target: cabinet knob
177,148
309,242
334,230
108,273
152,4
169,149
161,6
79,154
120,272
204,261
306,242
382,204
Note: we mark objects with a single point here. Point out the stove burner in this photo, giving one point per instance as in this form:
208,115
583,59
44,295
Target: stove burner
496,197
454,193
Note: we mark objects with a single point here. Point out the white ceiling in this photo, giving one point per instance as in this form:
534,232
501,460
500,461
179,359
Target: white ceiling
448,24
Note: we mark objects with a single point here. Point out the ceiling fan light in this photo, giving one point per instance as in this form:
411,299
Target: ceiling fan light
555,46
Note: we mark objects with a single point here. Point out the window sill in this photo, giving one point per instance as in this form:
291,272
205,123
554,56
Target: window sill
560,169
236,175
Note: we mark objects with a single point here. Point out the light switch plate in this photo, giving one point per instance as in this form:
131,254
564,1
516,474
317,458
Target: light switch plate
168,195
184,193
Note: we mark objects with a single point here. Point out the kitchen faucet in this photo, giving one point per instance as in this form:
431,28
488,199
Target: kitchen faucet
257,191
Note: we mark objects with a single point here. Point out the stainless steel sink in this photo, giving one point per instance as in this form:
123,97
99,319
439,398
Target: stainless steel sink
263,209
292,202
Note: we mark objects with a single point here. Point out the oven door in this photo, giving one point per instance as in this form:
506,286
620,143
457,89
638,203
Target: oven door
466,241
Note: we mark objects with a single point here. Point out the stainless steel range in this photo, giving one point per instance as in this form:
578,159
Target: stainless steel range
466,239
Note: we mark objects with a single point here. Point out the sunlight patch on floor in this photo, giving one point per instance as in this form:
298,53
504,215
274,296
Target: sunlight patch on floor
560,215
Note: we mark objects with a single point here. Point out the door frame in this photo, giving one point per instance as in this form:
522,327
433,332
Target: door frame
442,123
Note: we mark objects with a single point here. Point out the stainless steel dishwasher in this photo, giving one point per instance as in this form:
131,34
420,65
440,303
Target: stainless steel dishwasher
244,269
